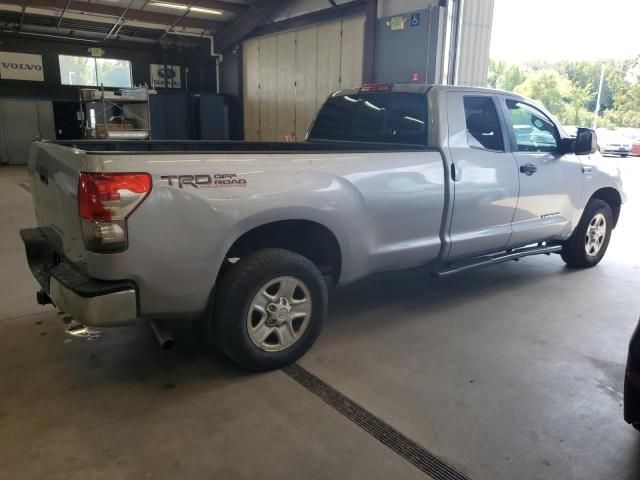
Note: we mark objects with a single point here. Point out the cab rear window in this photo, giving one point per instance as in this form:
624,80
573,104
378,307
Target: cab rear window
373,117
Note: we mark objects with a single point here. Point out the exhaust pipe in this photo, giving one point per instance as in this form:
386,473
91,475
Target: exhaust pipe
165,339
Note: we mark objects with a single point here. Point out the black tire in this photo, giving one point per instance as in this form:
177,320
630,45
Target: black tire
574,252
236,291
624,155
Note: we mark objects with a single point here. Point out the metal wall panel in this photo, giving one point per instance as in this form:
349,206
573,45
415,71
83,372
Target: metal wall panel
4,154
21,127
475,38
287,76
268,93
328,60
351,54
286,84
404,52
306,58
251,89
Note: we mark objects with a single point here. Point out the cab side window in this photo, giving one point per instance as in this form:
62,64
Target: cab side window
534,132
483,126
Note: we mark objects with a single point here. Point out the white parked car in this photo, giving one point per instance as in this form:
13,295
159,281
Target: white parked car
612,143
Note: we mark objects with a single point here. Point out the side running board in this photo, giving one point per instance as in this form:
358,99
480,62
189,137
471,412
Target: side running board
487,260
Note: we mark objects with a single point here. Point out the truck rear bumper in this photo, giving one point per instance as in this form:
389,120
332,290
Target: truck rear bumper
92,302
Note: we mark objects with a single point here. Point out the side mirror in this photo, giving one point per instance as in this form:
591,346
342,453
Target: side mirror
567,145
586,141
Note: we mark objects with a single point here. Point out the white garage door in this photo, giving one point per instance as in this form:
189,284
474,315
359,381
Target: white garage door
287,76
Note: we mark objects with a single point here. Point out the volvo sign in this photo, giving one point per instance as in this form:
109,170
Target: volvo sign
21,66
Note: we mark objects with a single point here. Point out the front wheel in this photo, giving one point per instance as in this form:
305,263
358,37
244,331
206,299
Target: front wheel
589,241
269,309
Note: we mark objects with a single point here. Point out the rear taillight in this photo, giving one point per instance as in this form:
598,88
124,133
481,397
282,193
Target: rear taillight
106,200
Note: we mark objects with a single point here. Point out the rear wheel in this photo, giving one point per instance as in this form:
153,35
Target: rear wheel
269,309
589,241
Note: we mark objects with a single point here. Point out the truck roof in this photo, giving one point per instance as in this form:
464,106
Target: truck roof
423,88
419,88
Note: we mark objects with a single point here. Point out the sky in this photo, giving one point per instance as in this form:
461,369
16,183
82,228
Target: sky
553,30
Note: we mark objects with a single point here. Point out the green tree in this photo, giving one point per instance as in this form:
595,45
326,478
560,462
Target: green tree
569,89
549,88
626,108
577,111
495,70
504,76
587,74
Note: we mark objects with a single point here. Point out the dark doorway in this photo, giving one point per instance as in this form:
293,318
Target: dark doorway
66,120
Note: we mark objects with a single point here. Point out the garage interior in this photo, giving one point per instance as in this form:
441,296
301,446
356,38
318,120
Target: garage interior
511,371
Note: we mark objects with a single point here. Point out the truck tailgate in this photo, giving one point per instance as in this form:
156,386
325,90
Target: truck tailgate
54,171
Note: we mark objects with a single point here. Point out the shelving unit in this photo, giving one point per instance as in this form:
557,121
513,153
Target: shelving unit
132,104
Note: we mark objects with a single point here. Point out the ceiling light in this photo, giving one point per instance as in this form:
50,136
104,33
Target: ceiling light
177,6
210,11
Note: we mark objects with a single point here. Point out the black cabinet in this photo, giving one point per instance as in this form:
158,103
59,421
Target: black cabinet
210,114
65,115
170,116
182,116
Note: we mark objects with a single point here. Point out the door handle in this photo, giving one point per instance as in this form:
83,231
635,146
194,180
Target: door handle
528,169
456,173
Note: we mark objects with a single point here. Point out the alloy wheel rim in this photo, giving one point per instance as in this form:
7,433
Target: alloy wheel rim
596,233
279,314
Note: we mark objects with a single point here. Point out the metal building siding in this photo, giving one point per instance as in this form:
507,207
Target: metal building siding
288,75
285,84
251,90
473,60
306,67
268,87
351,53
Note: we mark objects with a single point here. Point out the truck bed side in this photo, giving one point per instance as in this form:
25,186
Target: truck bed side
384,209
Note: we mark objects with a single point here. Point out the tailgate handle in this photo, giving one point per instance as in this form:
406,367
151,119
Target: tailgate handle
44,175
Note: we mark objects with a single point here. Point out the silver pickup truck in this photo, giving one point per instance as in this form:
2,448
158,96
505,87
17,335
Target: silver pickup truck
244,238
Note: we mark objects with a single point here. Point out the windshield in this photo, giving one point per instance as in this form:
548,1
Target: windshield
382,117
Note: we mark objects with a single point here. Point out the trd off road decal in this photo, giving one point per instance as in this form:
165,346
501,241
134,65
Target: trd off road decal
205,180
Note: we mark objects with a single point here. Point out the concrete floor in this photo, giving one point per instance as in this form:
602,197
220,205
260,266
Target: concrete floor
514,371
